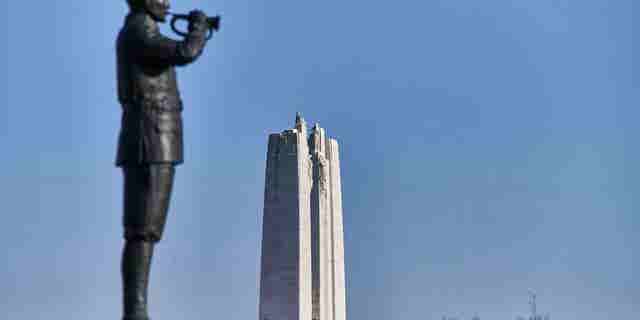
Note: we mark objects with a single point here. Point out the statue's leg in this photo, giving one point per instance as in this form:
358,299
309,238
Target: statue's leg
136,262
161,183
146,202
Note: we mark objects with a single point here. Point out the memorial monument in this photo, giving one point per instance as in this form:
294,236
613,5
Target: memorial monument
302,265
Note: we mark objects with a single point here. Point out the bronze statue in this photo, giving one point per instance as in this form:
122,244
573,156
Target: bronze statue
150,142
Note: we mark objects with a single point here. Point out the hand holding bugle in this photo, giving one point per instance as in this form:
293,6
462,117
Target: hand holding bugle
213,24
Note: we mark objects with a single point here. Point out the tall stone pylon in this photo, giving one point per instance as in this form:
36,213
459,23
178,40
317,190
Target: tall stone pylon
285,276
302,271
327,241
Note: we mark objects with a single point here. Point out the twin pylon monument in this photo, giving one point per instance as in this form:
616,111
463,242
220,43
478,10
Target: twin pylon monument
302,266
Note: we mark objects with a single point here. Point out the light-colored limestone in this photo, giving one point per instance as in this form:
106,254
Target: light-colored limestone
338,276
285,278
302,276
321,235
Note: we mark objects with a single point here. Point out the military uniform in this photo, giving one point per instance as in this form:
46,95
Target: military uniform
151,131
148,90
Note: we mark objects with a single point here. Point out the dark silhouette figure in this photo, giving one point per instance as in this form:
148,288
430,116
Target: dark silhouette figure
150,142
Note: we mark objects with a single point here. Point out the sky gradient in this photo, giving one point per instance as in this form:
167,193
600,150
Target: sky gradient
487,150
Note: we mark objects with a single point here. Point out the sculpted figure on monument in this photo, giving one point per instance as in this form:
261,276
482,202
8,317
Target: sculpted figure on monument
150,141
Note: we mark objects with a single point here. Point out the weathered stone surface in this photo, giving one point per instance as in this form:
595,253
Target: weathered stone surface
285,279
337,258
321,237
302,276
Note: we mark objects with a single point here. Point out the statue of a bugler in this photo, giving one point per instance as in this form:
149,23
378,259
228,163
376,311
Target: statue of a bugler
150,142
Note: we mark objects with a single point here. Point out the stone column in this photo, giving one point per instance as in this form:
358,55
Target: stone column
338,272
321,234
285,278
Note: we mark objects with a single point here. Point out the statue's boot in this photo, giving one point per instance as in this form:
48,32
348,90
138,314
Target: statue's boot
136,261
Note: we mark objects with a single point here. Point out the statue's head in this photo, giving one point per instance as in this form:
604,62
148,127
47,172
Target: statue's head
158,9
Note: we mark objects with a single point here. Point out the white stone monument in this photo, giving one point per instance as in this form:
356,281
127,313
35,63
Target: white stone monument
302,273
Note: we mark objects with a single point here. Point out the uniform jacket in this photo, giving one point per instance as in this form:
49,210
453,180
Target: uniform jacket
151,130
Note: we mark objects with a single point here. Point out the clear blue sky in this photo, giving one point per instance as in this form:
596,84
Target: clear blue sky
487,149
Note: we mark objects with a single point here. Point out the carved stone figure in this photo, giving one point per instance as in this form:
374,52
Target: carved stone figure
150,142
